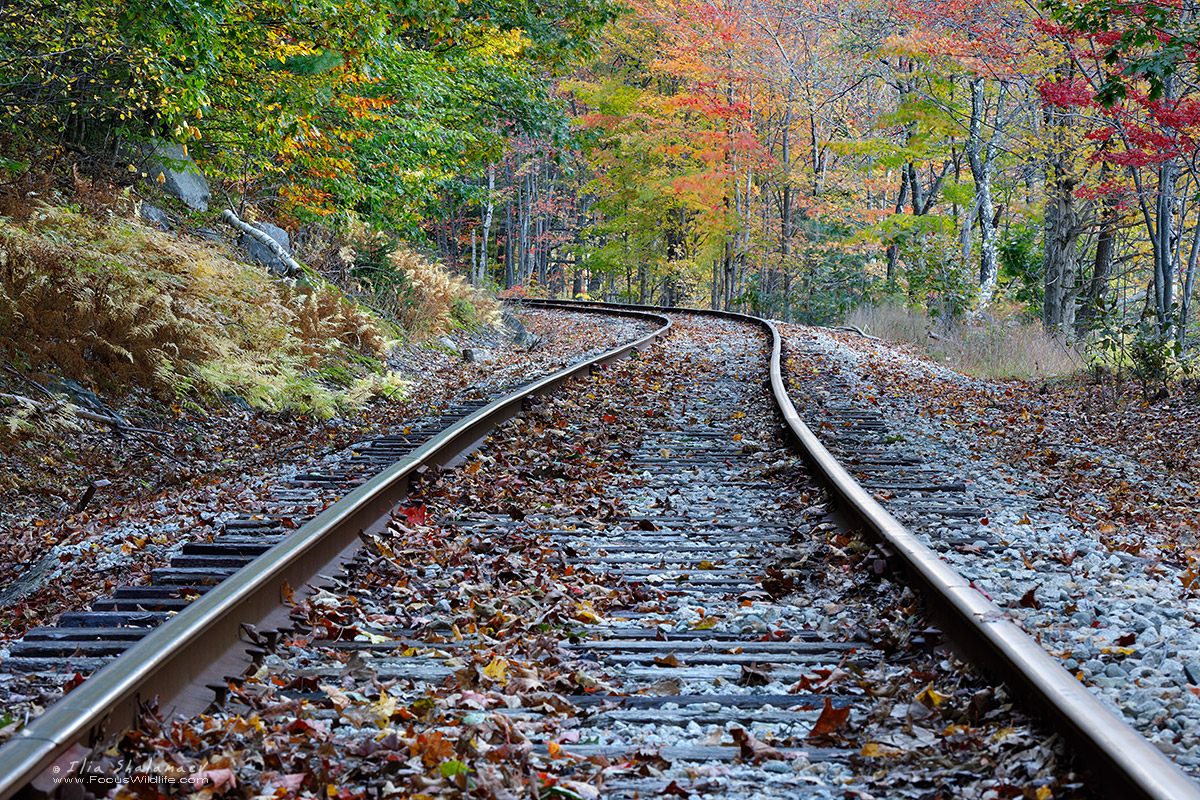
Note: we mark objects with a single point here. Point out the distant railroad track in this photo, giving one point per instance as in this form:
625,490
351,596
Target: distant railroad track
180,661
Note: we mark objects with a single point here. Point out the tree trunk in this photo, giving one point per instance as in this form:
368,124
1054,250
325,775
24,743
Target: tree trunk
1102,263
893,250
1062,231
982,159
509,273
486,220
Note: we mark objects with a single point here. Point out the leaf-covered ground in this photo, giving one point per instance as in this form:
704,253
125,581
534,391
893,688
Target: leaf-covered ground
446,661
1075,513
1125,468
207,464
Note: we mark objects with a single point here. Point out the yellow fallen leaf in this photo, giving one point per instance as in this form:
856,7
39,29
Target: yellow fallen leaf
1044,793
706,565
877,750
383,709
497,670
585,612
930,697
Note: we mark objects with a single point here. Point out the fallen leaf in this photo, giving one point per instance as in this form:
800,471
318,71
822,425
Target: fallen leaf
754,675
752,749
497,670
931,698
877,750
831,720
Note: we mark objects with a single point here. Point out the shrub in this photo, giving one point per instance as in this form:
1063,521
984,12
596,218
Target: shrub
443,301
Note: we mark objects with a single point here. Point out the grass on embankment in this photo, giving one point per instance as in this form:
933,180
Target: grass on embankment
114,304
987,350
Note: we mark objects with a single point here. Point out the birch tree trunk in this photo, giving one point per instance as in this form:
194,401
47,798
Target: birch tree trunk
486,221
982,158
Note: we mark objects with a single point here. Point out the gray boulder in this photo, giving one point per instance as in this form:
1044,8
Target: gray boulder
155,217
180,177
261,254
517,332
476,355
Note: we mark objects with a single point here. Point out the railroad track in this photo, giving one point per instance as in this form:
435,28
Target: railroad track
677,648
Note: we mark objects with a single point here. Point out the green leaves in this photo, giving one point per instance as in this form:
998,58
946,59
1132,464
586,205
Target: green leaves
1143,40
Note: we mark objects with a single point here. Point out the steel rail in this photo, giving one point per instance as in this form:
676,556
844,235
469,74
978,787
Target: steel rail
172,664
1131,766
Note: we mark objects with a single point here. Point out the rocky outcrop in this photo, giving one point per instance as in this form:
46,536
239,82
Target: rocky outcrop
169,165
516,331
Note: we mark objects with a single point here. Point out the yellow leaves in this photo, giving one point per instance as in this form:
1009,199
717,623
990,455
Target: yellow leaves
931,698
383,709
587,613
1121,651
878,750
1003,733
497,670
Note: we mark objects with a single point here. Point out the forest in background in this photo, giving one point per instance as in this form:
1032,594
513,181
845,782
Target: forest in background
796,159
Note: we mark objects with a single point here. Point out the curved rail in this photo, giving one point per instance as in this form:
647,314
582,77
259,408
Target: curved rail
173,663
1135,767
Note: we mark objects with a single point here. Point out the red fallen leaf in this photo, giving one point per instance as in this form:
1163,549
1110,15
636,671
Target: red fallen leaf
608,418
75,680
981,591
752,749
668,660
646,525
675,790
416,515
1028,600
1126,640
831,720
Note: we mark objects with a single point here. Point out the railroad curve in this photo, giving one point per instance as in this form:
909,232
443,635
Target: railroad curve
674,651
